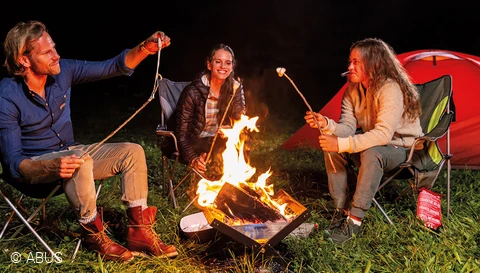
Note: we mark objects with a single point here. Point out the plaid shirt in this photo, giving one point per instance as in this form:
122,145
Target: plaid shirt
211,116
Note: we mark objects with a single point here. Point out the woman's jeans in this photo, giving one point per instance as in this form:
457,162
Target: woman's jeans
372,164
127,159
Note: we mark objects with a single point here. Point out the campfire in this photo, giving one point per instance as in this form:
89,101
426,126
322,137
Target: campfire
249,212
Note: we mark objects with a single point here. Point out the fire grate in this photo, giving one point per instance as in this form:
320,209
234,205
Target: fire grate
242,216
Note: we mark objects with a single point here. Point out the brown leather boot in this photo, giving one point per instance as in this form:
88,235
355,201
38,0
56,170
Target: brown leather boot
141,238
94,237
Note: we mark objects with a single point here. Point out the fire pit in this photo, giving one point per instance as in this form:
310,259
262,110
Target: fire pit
242,217
255,225
247,212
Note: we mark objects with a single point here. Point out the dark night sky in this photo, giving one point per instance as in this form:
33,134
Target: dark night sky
310,38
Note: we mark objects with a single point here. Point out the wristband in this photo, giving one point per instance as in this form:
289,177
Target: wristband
145,50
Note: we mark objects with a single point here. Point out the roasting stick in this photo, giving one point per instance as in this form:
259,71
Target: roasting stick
152,96
236,85
281,72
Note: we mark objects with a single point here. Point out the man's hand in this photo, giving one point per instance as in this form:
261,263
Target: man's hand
48,170
328,143
66,165
163,37
149,46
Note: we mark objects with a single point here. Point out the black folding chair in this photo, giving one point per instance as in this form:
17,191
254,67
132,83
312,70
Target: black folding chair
6,193
422,167
20,211
168,94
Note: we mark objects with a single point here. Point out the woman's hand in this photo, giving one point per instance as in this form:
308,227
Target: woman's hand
199,163
328,143
310,119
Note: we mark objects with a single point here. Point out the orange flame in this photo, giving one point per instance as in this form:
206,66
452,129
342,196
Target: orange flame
236,170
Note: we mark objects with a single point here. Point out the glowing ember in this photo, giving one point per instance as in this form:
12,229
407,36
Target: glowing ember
237,172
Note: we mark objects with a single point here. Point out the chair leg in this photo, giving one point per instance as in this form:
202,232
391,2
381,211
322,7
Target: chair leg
169,172
44,213
172,194
190,172
76,249
381,209
19,205
449,167
412,188
98,189
10,218
37,210
27,224
165,172
7,223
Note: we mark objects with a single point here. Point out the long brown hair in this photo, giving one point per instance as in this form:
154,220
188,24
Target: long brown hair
381,64
19,42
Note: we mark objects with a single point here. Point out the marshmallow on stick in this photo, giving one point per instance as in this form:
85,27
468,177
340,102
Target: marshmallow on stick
281,72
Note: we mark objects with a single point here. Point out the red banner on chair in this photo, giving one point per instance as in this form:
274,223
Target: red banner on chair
429,208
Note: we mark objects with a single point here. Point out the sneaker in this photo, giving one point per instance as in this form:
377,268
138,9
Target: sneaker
345,232
339,216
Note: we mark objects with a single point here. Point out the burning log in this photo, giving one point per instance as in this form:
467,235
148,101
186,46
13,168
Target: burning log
240,205
249,212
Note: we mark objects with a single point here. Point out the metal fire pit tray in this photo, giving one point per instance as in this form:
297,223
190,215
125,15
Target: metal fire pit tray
263,236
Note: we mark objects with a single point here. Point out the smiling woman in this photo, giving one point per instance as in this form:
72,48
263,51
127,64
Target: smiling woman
212,101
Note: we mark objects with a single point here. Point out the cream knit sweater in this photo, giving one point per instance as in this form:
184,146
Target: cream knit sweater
379,115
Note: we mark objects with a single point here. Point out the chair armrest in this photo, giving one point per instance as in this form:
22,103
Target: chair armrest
165,133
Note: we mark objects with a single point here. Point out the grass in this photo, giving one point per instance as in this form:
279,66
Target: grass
408,246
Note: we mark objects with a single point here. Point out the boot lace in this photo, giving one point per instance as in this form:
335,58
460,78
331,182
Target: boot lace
102,237
151,234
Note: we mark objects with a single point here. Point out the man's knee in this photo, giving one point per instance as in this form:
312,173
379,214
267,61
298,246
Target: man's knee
87,164
133,148
133,155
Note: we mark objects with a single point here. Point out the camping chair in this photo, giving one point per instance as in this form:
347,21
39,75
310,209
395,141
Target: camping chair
423,166
6,193
169,93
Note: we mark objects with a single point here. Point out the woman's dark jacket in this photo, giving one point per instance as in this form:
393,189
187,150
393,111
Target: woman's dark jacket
190,114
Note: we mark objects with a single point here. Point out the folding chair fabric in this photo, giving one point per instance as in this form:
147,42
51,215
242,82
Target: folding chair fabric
38,191
169,93
425,164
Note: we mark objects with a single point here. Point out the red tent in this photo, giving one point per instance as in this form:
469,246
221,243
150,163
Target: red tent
423,66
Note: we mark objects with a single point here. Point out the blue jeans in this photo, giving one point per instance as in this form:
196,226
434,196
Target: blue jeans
372,164
127,159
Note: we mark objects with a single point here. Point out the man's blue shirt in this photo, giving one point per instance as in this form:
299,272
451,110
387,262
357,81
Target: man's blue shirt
30,125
